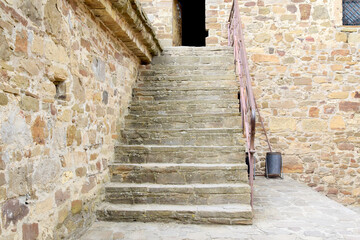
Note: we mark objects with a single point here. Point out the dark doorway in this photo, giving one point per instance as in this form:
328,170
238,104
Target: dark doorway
193,23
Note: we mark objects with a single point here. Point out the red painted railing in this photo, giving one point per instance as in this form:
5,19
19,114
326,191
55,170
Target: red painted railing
247,99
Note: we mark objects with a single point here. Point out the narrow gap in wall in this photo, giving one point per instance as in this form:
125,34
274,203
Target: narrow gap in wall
60,90
193,23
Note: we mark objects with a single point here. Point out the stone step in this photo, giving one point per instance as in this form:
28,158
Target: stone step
179,154
198,51
191,194
189,84
185,173
185,108
231,214
198,88
200,60
211,94
193,137
190,78
156,119
187,72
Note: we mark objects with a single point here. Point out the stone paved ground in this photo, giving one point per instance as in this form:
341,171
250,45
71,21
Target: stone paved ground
284,209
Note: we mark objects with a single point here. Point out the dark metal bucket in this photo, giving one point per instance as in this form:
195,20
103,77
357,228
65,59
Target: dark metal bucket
273,166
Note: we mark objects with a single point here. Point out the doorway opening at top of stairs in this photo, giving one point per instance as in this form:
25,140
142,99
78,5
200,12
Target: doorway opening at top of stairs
189,23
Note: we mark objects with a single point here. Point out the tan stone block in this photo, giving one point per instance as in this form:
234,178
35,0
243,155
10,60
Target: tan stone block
291,17
21,81
65,116
29,104
66,176
302,81
262,38
289,37
292,164
354,38
76,206
320,79
314,125
356,192
337,122
30,65
56,73
278,10
337,67
329,179
56,52
314,112
278,124
62,215
258,58
39,131
338,95
21,42
44,207
3,99
341,37
305,10
38,46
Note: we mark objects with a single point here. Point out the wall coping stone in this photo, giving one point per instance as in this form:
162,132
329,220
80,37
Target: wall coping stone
128,22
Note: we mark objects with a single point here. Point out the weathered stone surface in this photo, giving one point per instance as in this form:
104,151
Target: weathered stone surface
320,12
21,43
314,125
282,124
76,206
39,131
29,104
18,181
3,99
260,58
305,10
4,47
30,231
61,196
12,212
52,18
337,123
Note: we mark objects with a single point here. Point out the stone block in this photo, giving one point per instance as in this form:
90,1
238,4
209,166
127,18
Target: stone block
61,196
314,125
338,95
76,206
320,13
341,37
21,42
337,123
39,131
29,104
5,52
30,231
12,212
278,124
354,38
261,58
305,10
3,99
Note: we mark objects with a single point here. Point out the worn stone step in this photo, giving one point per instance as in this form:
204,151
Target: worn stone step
200,60
189,84
197,88
185,173
211,94
186,72
181,121
179,154
231,214
198,51
190,194
185,107
193,137
190,77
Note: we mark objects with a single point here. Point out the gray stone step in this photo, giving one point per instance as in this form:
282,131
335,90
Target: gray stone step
198,51
190,194
189,84
187,72
210,94
179,154
173,60
184,107
228,75
158,119
185,173
234,214
193,137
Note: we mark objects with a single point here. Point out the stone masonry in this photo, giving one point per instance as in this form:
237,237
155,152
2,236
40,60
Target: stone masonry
306,77
67,69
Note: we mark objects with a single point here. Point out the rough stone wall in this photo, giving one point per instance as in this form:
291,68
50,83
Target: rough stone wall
160,14
65,86
306,73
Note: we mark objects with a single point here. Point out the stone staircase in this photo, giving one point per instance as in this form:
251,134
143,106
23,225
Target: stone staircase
181,154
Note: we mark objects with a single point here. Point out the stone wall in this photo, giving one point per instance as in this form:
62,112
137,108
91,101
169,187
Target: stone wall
306,75
65,86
